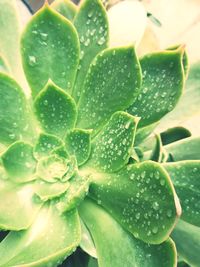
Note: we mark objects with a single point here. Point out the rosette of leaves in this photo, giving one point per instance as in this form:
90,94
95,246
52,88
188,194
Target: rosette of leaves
77,169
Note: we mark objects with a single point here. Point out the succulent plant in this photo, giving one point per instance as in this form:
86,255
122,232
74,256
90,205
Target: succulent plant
79,166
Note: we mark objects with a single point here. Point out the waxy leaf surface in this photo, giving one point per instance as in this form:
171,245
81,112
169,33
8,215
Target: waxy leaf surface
14,115
78,143
19,162
56,110
186,179
186,149
92,27
66,8
188,106
112,84
46,144
116,247
187,239
141,198
111,148
162,86
18,206
49,240
50,50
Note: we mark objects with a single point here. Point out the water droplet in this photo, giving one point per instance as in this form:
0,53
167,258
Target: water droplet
32,60
155,205
90,13
44,36
169,213
155,230
101,41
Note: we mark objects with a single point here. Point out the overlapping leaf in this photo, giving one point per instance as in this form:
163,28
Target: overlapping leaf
49,240
92,27
116,247
140,197
50,50
112,84
163,80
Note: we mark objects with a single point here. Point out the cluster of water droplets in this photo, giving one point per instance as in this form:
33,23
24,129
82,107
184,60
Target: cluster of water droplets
159,92
142,199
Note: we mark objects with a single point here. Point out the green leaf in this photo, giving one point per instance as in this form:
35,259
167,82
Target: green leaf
163,81
186,179
48,191
141,197
112,84
39,246
18,206
3,65
185,58
14,118
77,191
186,149
92,26
78,143
156,154
187,239
87,244
46,143
10,33
66,8
50,50
56,110
111,148
144,132
54,168
174,134
116,247
190,99
61,152
19,162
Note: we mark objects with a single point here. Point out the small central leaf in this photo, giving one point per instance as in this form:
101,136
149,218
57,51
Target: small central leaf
54,168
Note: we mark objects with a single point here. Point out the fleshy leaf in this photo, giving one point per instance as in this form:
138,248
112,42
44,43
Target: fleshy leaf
185,58
111,148
187,239
56,110
87,244
92,26
14,118
66,8
10,36
141,198
61,152
78,143
46,143
163,80
174,134
190,99
156,154
54,168
50,50
39,245
185,177
47,190
186,149
144,132
116,247
112,84
18,206
77,191
19,162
